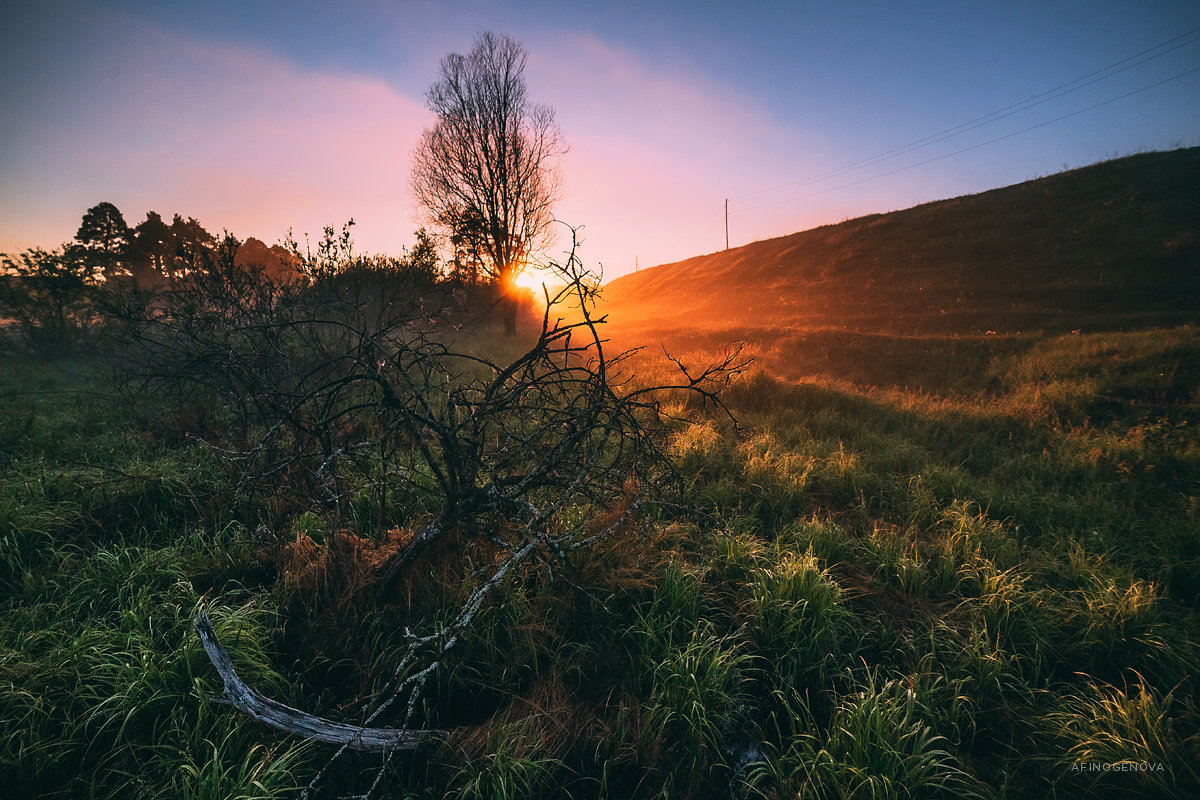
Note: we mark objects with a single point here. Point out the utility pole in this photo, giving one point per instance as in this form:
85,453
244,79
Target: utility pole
726,223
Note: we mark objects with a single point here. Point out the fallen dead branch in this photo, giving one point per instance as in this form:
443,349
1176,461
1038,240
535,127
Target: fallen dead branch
300,723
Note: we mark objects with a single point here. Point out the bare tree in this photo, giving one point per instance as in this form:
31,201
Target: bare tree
485,172
515,465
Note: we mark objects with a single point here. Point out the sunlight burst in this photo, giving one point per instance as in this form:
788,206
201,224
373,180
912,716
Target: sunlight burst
532,278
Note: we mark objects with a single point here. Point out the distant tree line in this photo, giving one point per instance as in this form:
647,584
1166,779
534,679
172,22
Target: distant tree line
153,251
52,300
485,174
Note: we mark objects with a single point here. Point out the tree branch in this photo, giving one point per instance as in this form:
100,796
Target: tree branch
300,723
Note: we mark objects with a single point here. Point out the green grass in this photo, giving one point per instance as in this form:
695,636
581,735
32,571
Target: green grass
101,678
876,744
880,592
1135,727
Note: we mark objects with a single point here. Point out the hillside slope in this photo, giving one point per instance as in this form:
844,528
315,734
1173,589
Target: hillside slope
1112,245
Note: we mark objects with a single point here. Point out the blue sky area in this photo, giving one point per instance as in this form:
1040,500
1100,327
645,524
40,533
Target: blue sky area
260,116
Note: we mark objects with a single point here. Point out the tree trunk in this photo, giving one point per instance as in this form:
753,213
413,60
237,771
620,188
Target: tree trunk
510,316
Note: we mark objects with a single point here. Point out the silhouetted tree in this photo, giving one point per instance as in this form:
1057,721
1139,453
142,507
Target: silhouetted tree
194,247
154,249
465,263
485,172
275,261
104,240
422,260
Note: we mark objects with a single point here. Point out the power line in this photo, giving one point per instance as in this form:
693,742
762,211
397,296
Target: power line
980,144
1061,90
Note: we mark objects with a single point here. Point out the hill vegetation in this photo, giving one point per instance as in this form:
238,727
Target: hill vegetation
1105,247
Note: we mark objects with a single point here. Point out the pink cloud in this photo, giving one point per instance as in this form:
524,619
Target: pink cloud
234,137
245,140
653,153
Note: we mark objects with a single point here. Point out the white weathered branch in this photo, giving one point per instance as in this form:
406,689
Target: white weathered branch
300,723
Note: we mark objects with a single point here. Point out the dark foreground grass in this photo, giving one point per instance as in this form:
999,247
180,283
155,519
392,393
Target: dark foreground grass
885,592
107,538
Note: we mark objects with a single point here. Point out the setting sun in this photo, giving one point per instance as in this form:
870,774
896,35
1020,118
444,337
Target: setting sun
532,278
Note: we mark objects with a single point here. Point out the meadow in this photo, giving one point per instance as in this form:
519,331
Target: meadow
869,590
945,542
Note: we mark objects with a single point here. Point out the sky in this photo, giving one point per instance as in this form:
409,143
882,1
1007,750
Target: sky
260,117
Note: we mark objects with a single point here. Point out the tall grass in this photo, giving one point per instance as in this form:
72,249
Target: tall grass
102,683
874,593
1129,741
875,745
799,620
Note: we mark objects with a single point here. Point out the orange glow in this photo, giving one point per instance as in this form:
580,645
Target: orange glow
532,278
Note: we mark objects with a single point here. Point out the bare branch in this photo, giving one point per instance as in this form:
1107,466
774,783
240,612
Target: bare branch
299,723
524,461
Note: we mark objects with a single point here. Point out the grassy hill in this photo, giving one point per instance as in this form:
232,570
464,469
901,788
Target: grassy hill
1109,246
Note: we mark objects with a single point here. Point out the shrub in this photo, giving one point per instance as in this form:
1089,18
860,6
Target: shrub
50,295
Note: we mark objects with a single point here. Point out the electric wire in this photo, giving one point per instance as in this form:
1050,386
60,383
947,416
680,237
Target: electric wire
977,145
1104,73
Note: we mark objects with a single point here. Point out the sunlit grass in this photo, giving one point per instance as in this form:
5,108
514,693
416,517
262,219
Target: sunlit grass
880,593
799,620
1130,741
876,745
